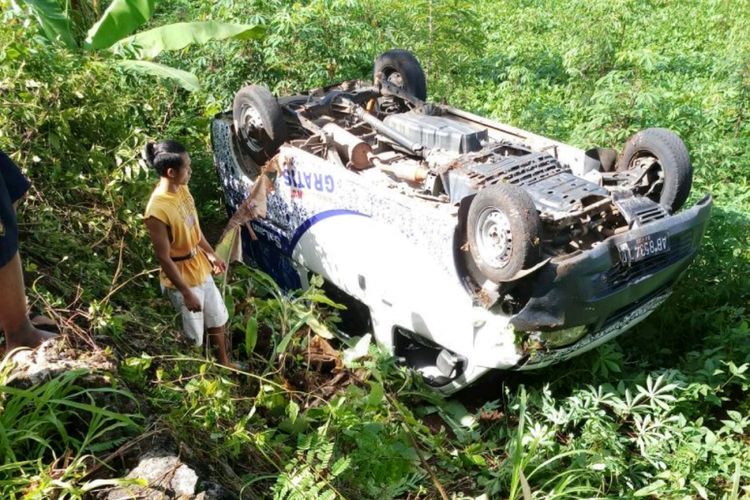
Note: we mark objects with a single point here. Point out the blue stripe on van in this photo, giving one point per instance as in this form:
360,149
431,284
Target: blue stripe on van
302,229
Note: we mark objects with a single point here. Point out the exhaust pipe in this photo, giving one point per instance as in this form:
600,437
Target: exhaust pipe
350,147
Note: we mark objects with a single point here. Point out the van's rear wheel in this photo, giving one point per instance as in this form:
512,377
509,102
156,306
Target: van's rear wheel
259,122
504,233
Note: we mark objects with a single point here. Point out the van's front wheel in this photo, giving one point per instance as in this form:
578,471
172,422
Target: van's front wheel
503,232
402,69
668,174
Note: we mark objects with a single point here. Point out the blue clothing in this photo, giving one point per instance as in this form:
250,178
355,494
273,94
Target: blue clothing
13,185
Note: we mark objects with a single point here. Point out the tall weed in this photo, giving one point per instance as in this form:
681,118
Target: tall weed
50,434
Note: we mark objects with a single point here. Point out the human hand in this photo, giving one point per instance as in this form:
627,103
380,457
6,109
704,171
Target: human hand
191,301
218,264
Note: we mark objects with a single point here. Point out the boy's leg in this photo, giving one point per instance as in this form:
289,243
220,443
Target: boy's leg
14,320
192,322
215,316
217,340
19,332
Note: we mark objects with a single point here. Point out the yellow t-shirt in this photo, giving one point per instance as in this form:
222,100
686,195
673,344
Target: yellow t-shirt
177,211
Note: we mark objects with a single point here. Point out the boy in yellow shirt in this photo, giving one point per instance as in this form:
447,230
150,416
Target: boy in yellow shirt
186,258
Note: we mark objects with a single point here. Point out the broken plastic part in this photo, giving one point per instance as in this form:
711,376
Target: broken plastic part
446,363
525,272
559,338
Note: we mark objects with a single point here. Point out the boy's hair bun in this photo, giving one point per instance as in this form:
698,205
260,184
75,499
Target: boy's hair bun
164,155
149,154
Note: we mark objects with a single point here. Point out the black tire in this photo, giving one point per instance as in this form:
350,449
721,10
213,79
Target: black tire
601,159
509,209
672,158
259,122
401,68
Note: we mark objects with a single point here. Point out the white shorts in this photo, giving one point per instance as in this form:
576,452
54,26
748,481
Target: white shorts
213,312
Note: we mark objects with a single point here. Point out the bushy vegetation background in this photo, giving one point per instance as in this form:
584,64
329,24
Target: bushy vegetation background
661,412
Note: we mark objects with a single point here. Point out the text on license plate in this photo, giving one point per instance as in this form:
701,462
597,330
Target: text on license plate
643,247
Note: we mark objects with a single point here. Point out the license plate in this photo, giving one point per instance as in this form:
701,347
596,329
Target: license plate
643,247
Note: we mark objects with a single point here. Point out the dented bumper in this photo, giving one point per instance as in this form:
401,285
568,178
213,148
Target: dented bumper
597,288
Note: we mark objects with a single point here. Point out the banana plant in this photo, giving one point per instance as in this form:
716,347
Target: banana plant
113,32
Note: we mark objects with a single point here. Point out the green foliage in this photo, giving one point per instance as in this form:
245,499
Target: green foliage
121,18
50,432
76,128
53,21
286,315
177,36
661,412
311,472
184,79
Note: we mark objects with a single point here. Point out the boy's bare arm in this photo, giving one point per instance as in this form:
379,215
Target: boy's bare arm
160,238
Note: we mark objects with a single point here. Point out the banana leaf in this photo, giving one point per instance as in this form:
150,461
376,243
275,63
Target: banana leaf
121,18
54,22
184,79
149,44
230,246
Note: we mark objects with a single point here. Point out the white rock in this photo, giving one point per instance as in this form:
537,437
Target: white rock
166,475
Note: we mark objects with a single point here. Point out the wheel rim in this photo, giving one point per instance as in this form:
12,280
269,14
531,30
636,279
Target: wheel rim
251,125
493,238
394,77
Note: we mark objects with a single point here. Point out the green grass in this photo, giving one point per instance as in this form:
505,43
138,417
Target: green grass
50,434
660,412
